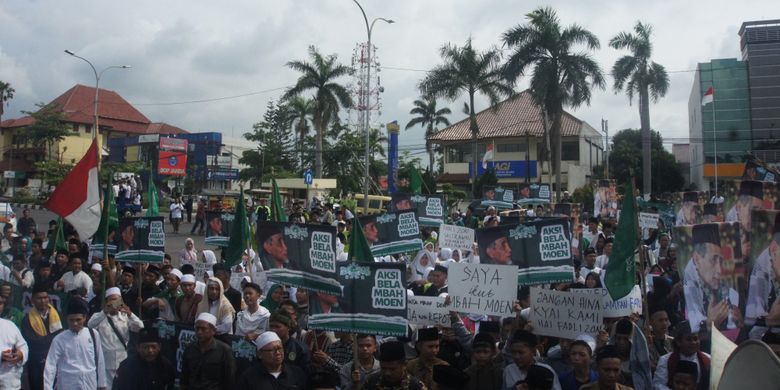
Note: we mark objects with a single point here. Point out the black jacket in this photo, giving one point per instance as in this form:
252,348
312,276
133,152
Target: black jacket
257,377
135,373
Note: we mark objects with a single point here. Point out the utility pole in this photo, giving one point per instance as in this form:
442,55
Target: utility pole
605,129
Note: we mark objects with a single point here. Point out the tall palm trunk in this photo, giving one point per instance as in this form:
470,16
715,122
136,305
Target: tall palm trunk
644,119
558,147
474,133
318,146
429,147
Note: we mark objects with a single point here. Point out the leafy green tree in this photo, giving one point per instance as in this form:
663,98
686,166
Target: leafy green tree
465,70
48,128
6,94
301,113
320,76
563,74
52,172
625,154
274,154
638,74
430,117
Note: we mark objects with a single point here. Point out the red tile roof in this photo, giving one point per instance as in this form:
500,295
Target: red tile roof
114,111
513,117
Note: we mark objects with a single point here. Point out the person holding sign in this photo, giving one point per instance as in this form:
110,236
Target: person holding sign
437,285
354,374
392,373
428,347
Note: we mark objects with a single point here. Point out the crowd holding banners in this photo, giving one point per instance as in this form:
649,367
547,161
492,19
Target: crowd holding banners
534,194
391,233
218,226
499,197
430,208
299,255
605,199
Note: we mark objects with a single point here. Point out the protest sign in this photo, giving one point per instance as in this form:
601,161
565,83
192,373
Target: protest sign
721,347
713,273
430,208
761,267
200,269
688,207
605,198
534,193
374,301
299,255
499,197
665,211
540,248
141,239
392,233
428,311
564,313
456,237
648,220
755,169
623,307
218,227
482,288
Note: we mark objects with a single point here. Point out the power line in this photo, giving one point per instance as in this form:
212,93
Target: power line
211,99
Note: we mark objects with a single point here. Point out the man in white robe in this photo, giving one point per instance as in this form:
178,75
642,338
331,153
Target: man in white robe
14,355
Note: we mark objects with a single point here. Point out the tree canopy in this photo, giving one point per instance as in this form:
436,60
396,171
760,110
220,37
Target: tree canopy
625,154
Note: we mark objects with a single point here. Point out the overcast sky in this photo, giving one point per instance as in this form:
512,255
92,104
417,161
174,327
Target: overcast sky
183,51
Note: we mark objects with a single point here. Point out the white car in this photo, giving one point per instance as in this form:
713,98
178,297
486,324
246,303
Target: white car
7,215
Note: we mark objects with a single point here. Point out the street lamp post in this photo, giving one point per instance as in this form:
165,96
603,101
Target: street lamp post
97,84
367,95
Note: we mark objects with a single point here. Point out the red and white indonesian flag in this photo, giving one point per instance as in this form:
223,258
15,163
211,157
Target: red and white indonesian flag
77,198
488,155
708,96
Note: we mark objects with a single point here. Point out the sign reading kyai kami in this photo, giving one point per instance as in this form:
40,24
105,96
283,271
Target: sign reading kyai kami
564,313
172,163
482,288
177,144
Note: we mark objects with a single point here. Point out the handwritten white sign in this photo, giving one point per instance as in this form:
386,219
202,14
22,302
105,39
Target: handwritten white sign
648,220
483,288
456,237
564,313
428,311
630,304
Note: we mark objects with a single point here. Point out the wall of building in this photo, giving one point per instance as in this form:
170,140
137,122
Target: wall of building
761,50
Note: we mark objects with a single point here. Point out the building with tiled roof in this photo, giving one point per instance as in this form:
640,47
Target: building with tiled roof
117,119
515,130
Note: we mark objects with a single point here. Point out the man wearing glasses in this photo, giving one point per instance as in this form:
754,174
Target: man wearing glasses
708,299
269,370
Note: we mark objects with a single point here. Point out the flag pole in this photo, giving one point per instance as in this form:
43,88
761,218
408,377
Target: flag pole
642,254
715,142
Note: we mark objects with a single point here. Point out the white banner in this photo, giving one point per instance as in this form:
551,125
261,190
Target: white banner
721,349
456,237
483,288
564,313
428,311
630,304
648,220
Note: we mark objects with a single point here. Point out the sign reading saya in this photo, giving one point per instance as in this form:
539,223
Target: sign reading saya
482,288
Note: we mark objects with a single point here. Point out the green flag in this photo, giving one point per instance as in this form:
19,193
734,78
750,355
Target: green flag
277,210
621,269
109,218
239,234
415,181
153,209
57,240
358,246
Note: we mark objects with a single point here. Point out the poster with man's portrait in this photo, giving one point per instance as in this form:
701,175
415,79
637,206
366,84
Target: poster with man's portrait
763,270
534,193
541,249
430,208
758,170
688,207
741,197
141,239
501,198
218,226
299,255
391,233
605,199
709,259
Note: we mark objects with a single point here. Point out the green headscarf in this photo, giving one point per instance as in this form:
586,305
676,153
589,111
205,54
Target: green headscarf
268,302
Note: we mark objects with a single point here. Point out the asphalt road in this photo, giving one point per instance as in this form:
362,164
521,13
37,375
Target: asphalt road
173,242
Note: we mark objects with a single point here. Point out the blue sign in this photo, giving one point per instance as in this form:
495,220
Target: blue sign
505,169
222,174
392,161
308,177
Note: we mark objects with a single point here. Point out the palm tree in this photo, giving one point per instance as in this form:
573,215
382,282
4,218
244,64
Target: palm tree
472,72
429,117
320,76
301,110
561,75
637,74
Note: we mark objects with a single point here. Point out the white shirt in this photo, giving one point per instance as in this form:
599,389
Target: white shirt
27,278
5,273
114,351
256,322
584,271
72,282
71,361
176,208
10,337
512,374
224,325
602,261
762,284
661,377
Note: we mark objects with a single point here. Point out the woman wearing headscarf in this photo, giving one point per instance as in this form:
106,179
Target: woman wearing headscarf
209,257
189,254
273,297
445,254
218,305
422,262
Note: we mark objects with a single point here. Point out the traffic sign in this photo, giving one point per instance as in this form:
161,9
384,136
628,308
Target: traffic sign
308,177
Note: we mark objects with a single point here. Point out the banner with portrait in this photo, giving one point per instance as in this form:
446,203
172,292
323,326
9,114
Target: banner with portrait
141,240
373,302
709,258
688,207
501,198
533,193
755,169
218,226
541,249
391,233
430,208
605,198
763,267
299,255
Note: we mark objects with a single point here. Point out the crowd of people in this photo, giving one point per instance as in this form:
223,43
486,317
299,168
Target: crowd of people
107,335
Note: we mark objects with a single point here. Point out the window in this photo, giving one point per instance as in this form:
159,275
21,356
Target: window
570,151
511,148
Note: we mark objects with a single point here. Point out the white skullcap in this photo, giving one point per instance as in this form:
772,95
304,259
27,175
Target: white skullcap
189,278
97,267
588,339
265,339
175,272
207,317
113,291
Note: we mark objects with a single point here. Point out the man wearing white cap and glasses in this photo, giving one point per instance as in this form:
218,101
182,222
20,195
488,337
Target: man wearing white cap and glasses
207,363
269,370
114,323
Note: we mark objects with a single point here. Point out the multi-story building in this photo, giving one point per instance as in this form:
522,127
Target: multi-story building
760,45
